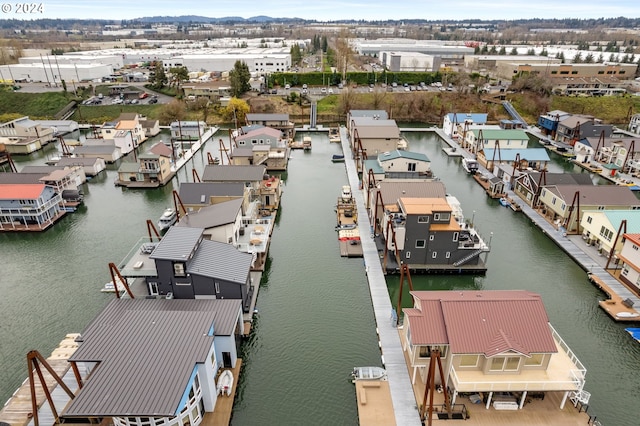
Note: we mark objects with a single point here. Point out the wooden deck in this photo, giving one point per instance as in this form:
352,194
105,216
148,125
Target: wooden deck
221,416
535,412
350,248
374,403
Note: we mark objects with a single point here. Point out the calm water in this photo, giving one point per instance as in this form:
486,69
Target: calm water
315,320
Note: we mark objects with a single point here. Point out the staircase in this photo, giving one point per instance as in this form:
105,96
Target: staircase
513,113
470,256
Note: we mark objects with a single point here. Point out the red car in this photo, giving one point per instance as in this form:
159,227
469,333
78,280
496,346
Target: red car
143,95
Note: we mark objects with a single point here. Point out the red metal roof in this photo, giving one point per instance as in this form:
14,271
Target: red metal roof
25,191
488,322
634,238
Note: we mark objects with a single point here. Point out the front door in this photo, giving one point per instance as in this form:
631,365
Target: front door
226,359
153,288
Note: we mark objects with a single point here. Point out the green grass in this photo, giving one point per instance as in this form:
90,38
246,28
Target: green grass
34,105
610,109
328,104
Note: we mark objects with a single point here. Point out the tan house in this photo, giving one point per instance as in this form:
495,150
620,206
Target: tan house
375,136
153,169
497,345
556,202
630,258
600,228
131,122
24,136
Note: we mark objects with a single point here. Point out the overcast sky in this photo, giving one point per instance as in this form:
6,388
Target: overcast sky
331,9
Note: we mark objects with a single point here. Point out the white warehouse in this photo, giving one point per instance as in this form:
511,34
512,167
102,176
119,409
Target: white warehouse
410,61
115,62
54,73
258,63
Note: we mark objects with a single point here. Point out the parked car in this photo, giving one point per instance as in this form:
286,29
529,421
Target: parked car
330,90
304,86
153,101
287,86
323,90
143,95
117,101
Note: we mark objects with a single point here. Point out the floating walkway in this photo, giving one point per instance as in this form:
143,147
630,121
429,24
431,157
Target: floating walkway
597,274
402,396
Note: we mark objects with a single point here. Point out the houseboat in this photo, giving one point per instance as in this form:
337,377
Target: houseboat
306,143
168,218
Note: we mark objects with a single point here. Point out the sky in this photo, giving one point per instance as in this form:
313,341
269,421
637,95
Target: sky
327,10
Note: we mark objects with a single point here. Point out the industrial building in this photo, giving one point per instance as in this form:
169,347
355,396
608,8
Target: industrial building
409,61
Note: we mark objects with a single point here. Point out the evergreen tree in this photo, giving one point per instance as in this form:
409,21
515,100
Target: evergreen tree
239,78
514,51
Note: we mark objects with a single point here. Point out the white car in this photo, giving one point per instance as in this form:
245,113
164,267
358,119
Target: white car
287,86
330,90
116,101
323,90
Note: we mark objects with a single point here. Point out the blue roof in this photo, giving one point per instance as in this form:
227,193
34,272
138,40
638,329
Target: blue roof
529,154
460,117
373,165
615,217
392,155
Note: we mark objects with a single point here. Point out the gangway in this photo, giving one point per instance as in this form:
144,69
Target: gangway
513,113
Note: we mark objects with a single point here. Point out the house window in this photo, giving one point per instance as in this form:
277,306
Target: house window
434,254
455,236
535,360
425,352
411,167
544,192
513,362
261,141
432,237
423,219
553,201
562,206
635,247
179,269
441,216
469,361
421,243
240,142
589,219
217,285
253,141
408,255
510,363
448,255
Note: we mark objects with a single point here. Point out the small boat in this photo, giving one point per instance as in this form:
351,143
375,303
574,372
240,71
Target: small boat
168,218
334,135
368,373
337,158
306,143
504,202
109,287
470,165
634,332
225,383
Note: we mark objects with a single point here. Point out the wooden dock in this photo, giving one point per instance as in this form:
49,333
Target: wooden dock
351,248
221,415
374,403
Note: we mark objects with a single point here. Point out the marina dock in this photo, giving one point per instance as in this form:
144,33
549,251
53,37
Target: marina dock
402,397
594,265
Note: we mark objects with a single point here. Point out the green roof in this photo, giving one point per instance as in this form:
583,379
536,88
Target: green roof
128,167
616,217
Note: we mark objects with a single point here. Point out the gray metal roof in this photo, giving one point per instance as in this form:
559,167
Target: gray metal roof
392,191
13,178
242,152
41,169
179,243
221,260
213,215
76,161
146,351
231,173
193,192
95,149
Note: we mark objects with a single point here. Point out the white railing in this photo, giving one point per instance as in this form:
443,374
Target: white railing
574,359
511,385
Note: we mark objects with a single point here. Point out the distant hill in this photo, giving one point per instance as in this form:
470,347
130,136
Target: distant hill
209,20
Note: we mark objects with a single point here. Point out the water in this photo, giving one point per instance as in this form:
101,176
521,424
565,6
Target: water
314,320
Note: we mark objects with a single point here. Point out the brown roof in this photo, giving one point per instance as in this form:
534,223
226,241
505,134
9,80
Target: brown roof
424,205
596,195
481,322
391,190
161,149
634,238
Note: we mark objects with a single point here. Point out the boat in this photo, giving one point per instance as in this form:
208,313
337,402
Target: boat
168,218
225,383
337,158
334,135
109,287
504,202
306,143
470,165
634,332
368,373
